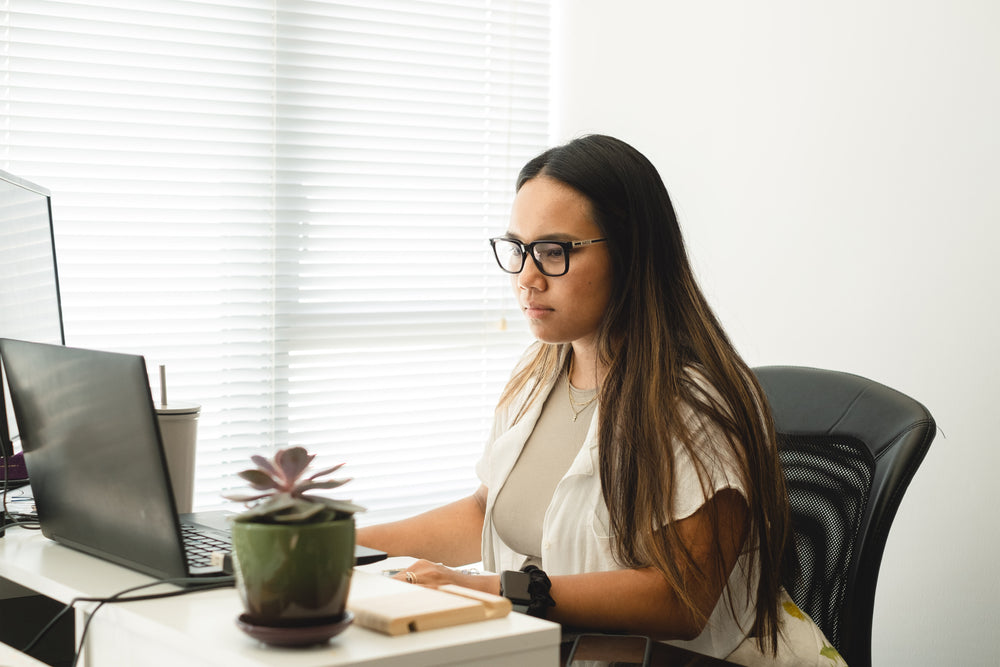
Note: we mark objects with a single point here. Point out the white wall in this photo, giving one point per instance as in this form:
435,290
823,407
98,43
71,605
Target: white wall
836,168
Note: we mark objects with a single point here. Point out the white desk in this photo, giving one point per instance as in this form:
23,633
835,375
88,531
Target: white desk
199,629
11,658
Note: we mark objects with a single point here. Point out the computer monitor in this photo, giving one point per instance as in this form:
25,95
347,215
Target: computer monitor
30,306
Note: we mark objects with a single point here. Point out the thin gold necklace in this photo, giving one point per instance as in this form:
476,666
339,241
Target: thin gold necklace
575,406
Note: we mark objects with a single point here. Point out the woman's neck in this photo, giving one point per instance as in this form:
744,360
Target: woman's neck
583,371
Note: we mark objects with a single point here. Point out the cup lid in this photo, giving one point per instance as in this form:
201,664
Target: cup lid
177,408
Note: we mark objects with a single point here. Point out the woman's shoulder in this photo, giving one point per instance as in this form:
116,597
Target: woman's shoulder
698,379
700,394
710,453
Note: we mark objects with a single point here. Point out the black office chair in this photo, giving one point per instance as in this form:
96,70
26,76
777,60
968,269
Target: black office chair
849,448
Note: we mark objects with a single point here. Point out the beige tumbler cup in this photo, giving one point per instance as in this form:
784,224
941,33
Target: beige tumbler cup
179,432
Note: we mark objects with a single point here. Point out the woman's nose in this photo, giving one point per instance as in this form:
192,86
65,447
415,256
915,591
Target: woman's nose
530,277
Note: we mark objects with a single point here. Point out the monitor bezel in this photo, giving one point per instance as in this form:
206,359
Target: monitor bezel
6,444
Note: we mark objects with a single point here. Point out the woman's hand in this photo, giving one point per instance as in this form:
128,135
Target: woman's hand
432,575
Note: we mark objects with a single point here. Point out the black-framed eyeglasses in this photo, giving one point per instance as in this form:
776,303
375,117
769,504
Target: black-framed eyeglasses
551,257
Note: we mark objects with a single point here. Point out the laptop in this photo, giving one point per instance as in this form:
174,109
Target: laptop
94,454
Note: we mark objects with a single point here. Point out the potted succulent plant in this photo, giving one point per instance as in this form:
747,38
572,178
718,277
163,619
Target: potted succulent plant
293,552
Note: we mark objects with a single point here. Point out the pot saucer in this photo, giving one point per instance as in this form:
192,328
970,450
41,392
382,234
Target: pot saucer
303,635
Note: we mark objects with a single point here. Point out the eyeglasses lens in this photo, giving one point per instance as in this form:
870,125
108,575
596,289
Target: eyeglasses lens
509,256
549,257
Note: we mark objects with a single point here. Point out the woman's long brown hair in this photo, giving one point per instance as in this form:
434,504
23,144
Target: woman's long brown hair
657,328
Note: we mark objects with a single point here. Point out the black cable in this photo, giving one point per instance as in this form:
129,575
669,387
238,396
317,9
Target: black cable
26,520
48,626
117,598
193,586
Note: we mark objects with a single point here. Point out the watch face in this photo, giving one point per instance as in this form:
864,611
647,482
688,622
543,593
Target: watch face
514,586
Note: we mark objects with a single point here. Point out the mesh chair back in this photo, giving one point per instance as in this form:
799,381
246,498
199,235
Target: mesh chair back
849,448
828,486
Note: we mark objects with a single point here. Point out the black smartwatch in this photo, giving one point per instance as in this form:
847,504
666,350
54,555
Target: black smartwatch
514,587
528,591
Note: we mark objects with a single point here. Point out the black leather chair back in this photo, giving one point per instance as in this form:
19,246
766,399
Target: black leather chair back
849,448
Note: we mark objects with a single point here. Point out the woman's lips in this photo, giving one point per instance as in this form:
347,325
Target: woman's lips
534,311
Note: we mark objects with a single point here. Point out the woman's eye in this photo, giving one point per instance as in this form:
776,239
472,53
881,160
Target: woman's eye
550,252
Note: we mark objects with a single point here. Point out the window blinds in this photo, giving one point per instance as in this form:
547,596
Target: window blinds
287,204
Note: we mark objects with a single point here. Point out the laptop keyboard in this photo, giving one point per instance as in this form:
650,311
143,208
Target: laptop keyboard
199,545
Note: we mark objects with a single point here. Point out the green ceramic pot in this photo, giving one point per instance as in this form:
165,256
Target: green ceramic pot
290,575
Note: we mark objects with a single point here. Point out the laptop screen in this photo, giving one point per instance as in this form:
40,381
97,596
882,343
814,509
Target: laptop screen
92,447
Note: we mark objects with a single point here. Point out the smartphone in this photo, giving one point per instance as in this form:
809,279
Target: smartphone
594,650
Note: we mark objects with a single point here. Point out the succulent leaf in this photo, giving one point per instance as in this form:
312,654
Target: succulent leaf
245,497
329,484
345,506
300,512
258,479
292,463
326,471
264,464
282,489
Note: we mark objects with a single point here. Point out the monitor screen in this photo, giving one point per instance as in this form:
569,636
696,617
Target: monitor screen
29,285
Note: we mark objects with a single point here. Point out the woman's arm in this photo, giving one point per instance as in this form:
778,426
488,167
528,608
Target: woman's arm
639,600
633,600
450,534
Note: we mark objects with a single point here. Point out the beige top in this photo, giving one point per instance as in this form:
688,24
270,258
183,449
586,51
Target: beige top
550,449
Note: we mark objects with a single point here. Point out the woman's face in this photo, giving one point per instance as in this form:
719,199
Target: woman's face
567,308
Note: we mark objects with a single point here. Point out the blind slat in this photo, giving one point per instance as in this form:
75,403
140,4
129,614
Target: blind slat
289,207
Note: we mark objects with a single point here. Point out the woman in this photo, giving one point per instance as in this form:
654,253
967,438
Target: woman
632,457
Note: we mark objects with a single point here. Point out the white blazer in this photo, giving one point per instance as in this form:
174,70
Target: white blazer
575,530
